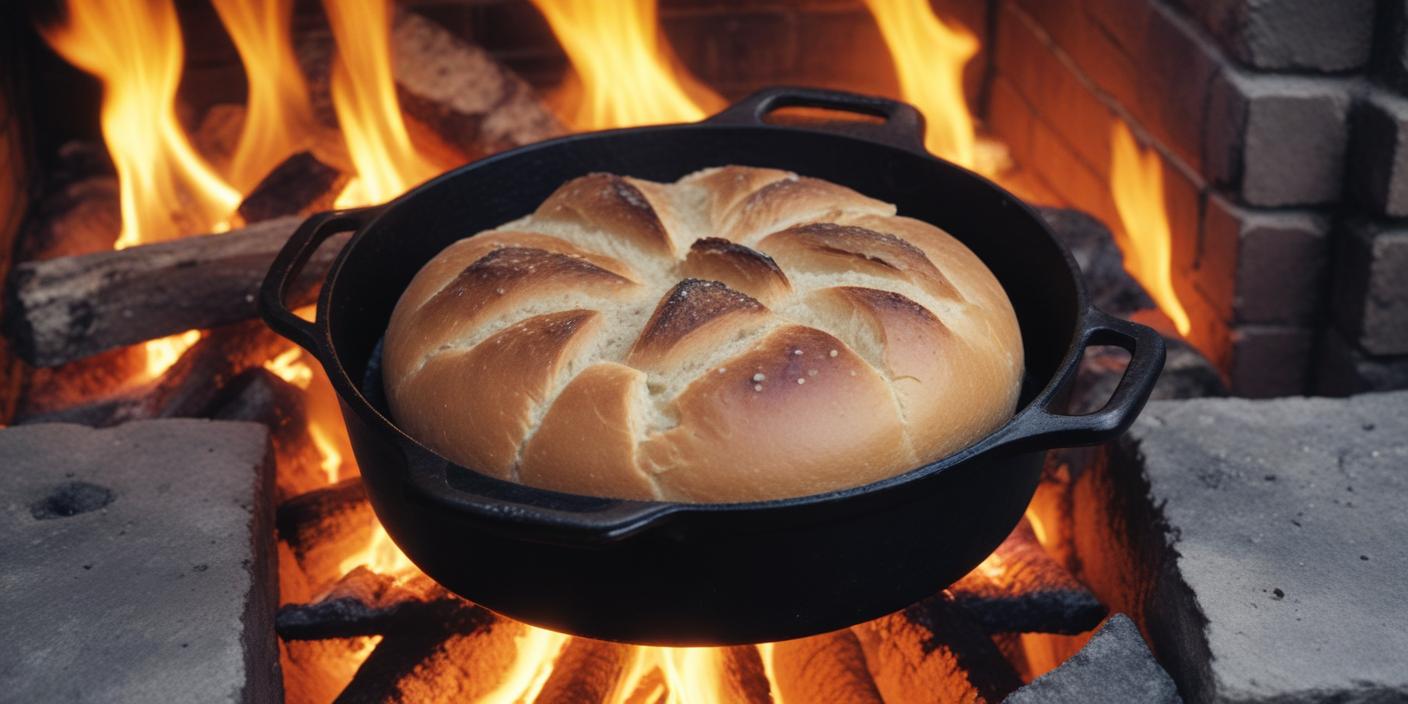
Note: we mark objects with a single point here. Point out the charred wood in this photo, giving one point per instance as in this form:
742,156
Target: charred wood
188,389
301,185
258,395
585,672
365,603
437,665
744,679
324,526
68,308
826,668
1021,589
934,651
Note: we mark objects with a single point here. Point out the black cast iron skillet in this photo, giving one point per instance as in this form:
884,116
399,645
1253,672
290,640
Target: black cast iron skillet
709,574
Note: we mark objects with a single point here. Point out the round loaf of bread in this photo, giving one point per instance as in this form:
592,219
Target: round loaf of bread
737,335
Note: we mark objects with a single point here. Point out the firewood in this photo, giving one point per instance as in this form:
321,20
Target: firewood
301,185
323,527
79,212
934,651
64,309
459,664
744,678
585,672
259,396
1021,589
365,603
826,668
445,85
186,390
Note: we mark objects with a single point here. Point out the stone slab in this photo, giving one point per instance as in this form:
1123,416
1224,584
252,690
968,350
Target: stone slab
1274,531
1114,667
136,563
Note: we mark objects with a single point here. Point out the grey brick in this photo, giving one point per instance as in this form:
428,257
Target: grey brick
1389,63
1115,667
1278,140
1263,266
1259,544
1342,369
1370,289
1305,35
1377,173
138,563
1270,360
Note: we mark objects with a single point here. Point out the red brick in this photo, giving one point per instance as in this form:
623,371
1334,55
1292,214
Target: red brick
1270,361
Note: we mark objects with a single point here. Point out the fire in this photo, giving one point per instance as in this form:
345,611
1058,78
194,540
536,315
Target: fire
163,353
537,650
364,96
929,57
134,47
278,117
623,64
1137,183
332,457
290,367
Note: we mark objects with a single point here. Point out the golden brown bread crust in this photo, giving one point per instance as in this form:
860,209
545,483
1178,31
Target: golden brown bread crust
740,334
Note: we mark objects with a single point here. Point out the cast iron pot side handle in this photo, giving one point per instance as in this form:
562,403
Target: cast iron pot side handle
1041,427
289,263
903,126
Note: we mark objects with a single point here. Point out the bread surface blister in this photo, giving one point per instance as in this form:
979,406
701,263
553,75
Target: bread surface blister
740,334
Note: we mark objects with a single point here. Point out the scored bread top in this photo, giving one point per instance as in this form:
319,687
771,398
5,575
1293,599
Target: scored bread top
740,334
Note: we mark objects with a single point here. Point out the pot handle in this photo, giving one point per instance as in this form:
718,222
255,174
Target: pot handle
1042,427
903,126
561,519
289,264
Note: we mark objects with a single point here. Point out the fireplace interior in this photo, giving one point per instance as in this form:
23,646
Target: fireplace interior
1228,171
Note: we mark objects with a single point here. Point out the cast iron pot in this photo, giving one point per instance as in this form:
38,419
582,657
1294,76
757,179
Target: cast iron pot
709,574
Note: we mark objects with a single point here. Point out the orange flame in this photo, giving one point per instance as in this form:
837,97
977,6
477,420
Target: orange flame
623,64
290,367
134,47
929,57
1137,183
364,96
278,117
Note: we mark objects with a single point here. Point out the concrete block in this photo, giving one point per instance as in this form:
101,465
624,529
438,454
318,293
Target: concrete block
1278,140
1263,267
1369,297
1377,169
1115,667
138,563
1290,35
1258,544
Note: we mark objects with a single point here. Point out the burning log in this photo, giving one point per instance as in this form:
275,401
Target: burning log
79,213
324,526
260,396
586,672
438,665
64,309
1021,589
934,649
449,87
825,668
188,389
364,603
462,93
301,185
744,678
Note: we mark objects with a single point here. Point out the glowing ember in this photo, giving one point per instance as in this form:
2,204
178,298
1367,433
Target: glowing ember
364,96
929,57
278,118
134,47
332,457
1137,183
623,65
290,367
164,352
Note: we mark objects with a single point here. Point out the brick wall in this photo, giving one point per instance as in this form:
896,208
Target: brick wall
1284,140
